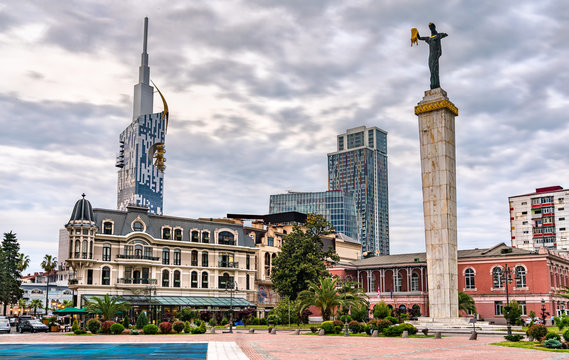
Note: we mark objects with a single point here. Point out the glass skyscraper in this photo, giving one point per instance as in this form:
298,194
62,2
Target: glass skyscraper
360,166
336,206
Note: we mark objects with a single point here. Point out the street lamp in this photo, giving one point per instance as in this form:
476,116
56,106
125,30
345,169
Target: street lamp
346,281
230,286
543,312
507,278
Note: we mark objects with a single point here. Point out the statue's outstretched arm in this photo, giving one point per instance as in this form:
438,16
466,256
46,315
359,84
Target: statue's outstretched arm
443,35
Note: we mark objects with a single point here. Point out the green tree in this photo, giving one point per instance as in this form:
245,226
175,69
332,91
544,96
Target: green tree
141,321
281,311
10,291
67,303
302,258
108,306
48,264
22,303
381,310
360,313
23,262
466,302
352,295
513,313
322,294
561,321
35,304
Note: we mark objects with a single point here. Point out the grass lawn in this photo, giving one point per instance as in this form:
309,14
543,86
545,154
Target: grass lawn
417,336
528,345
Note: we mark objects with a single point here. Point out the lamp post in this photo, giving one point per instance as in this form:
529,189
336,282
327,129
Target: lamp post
507,278
230,286
543,312
346,281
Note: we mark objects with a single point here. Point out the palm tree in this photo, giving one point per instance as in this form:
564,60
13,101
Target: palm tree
107,306
23,262
466,303
323,295
67,303
48,264
22,305
35,304
355,296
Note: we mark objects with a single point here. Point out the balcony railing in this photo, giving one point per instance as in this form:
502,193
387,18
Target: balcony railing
137,257
73,281
229,264
137,281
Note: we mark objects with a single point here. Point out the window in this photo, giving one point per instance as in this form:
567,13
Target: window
204,280
536,201
414,282
90,277
498,308
138,226
524,202
523,306
178,234
166,256
194,278
106,252
108,228
194,258
524,212
205,259
396,282
195,237
270,241
85,246
226,238
247,262
561,219
469,279
176,278
138,251
106,276
225,281
166,233
497,278
148,252
247,282
524,222
227,260
205,237
561,209
177,257
77,248
561,229
165,278
520,277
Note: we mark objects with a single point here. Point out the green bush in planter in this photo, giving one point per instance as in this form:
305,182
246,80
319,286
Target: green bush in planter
393,320
80,332
355,327
150,329
566,335
178,326
117,328
410,328
187,327
537,331
392,331
141,321
552,335
199,329
75,325
553,344
514,337
93,325
328,327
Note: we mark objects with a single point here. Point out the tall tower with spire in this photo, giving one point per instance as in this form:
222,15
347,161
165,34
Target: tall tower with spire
141,155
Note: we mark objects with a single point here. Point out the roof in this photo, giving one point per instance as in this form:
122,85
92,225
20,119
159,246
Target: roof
82,212
277,218
182,300
543,190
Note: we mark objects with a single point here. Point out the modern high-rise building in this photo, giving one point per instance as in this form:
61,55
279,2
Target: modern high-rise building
141,155
540,219
336,206
360,166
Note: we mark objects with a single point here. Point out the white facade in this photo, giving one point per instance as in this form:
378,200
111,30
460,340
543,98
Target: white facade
540,219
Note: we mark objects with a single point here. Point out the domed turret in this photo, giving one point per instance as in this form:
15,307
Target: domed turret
82,213
82,229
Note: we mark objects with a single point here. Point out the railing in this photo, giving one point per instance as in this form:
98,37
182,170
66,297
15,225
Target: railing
226,242
229,264
136,281
73,281
137,257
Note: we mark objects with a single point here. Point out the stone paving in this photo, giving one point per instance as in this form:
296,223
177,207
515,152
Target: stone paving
262,346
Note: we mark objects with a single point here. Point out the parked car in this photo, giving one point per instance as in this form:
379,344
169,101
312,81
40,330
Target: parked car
32,326
21,319
5,325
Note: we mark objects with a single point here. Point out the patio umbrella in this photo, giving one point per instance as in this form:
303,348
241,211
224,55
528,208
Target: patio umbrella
70,311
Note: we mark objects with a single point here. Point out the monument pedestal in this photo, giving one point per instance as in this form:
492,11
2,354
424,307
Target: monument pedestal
438,167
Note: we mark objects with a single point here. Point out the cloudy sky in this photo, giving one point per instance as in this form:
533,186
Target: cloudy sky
258,91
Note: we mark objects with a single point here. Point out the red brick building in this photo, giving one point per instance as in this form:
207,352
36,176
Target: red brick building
401,280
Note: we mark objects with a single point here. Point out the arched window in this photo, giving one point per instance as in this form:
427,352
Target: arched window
165,278
177,257
402,309
108,228
70,248
178,234
225,281
138,226
195,236
469,279
166,256
166,233
520,276
138,251
106,252
194,279
90,249
106,276
176,278
414,282
205,259
205,237
267,264
77,248
204,280
247,262
194,258
247,282
497,280
396,281
226,238
84,248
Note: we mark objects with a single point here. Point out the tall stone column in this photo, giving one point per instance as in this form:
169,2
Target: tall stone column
438,168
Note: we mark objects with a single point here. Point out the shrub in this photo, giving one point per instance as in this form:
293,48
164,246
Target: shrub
379,325
178,326
93,325
134,332
106,326
80,332
224,321
117,328
338,326
367,329
198,322
537,331
552,335
360,313
553,344
126,322
263,321
408,327
345,318
381,310
150,329
187,327
199,329
187,314
165,327
314,329
355,327
392,331
273,318
393,320
514,337
566,335
213,322
141,321
253,321
328,327
75,325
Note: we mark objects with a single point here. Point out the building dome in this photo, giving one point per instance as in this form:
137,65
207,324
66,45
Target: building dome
82,213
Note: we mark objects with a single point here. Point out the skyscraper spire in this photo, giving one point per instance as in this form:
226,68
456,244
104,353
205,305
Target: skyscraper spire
143,92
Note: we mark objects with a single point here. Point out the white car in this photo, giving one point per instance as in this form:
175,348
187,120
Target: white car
5,325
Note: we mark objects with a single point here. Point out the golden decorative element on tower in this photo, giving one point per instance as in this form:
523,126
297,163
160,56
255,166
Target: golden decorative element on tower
157,152
414,36
419,109
165,112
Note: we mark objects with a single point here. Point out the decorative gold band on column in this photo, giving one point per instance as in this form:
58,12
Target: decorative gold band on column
419,109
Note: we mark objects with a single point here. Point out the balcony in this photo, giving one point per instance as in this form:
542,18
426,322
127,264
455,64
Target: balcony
229,264
73,281
137,257
137,281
